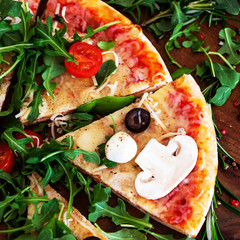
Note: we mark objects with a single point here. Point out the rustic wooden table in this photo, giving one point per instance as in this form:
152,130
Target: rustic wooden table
226,117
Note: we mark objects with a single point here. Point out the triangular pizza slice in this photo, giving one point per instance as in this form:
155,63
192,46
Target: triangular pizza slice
174,160
139,66
77,223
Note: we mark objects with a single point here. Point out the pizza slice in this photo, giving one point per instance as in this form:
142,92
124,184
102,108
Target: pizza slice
5,65
77,223
174,160
139,66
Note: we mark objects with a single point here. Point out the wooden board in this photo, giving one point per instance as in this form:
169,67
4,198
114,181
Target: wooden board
226,117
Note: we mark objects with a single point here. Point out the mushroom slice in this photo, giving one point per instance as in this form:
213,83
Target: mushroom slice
164,167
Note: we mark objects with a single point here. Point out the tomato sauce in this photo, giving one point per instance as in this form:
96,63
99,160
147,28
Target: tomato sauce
143,64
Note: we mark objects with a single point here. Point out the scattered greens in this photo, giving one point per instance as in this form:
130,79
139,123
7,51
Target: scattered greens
38,51
83,115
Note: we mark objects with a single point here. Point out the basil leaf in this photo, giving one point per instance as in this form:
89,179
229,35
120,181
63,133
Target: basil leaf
105,71
106,45
226,76
221,96
105,105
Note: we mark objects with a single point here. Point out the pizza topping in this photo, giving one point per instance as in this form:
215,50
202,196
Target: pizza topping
121,148
164,167
7,159
137,120
89,60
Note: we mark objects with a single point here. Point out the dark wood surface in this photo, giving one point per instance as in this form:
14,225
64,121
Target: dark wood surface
226,117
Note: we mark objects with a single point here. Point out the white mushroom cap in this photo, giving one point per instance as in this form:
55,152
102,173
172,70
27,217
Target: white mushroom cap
164,167
121,148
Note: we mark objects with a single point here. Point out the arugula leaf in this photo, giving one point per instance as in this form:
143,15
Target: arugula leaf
56,42
124,234
105,105
229,47
221,96
178,15
105,71
118,214
226,76
54,68
5,27
180,71
9,8
231,6
100,194
106,45
91,32
79,120
7,112
17,145
35,105
123,3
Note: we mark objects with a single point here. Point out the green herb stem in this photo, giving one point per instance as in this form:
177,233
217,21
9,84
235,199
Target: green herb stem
171,58
158,16
51,155
223,16
226,190
223,58
222,150
70,202
210,61
11,68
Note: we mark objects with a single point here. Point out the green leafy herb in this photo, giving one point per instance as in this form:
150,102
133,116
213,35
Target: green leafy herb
54,69
231,6
105,105
180,71
118,214
106,45
126,234
11,8
230,48
105,71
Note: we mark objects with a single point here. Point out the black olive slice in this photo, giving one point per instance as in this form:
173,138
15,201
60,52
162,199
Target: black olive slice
137,120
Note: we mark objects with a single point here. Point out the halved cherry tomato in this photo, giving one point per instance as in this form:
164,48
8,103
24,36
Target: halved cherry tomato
37,139
7,158
89,60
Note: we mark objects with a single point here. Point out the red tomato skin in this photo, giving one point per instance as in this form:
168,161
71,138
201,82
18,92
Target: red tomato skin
7,158
89,60
31,133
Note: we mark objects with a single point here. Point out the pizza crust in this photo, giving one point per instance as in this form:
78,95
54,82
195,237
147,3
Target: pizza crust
140,67
77,223
185,208
4,86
